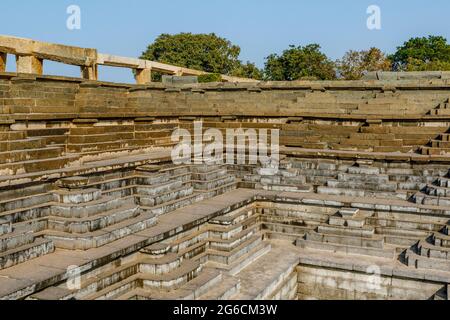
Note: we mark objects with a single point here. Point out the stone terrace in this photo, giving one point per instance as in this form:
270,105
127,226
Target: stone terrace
86,180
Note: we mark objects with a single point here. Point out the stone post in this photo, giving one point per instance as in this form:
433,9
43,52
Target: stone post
3,57
89,72
143,76
29,64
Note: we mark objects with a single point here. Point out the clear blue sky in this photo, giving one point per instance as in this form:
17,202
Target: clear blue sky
259,27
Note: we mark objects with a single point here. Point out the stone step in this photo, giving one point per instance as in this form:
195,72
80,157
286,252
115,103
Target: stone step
212,184
90,284
265,278
434,151
77,196
147,179
12,135
108,146
168,196
385,186
226,290
158,189
93,223
363,177
5,226
251,257
428,250
99,138
123,128
362,193
227,258
228,240
24,253
29,154
208,176
37,165
443,182
19,235
374,242
88,209
365,231
117,289
175,171
173,205
28,143
440,144
441,240
192,290
422,198
176,278
347,249
399,231
160,265
420,262
46,132
437,191
101,237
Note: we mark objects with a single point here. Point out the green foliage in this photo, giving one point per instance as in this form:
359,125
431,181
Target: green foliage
210,77
248,70
430,53
206,52
299,63
355,64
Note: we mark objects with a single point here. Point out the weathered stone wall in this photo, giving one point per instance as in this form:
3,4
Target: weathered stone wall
317,283
358,100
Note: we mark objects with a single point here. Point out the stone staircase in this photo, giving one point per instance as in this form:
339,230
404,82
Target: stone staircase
348,233
83,218
432,253
20,153
193,265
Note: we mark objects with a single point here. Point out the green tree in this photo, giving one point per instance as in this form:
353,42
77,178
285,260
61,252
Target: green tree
206,52
298,63
248,70
430,53
355,64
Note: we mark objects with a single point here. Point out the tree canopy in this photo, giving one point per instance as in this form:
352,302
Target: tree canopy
355,64
206,52
213,54
430,53
298,63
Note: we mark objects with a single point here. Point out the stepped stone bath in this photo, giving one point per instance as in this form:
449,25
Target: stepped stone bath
92,206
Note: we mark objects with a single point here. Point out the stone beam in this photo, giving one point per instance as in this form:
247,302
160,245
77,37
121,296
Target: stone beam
3,57
143,76
29,64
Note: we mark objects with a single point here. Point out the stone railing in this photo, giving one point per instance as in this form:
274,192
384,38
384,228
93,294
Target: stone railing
30,56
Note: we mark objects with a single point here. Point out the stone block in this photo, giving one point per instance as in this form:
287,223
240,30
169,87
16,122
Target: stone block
3,57
348,212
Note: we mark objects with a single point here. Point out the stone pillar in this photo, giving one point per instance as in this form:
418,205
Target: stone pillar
179,73
3,57
29,64
89,73
143,76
